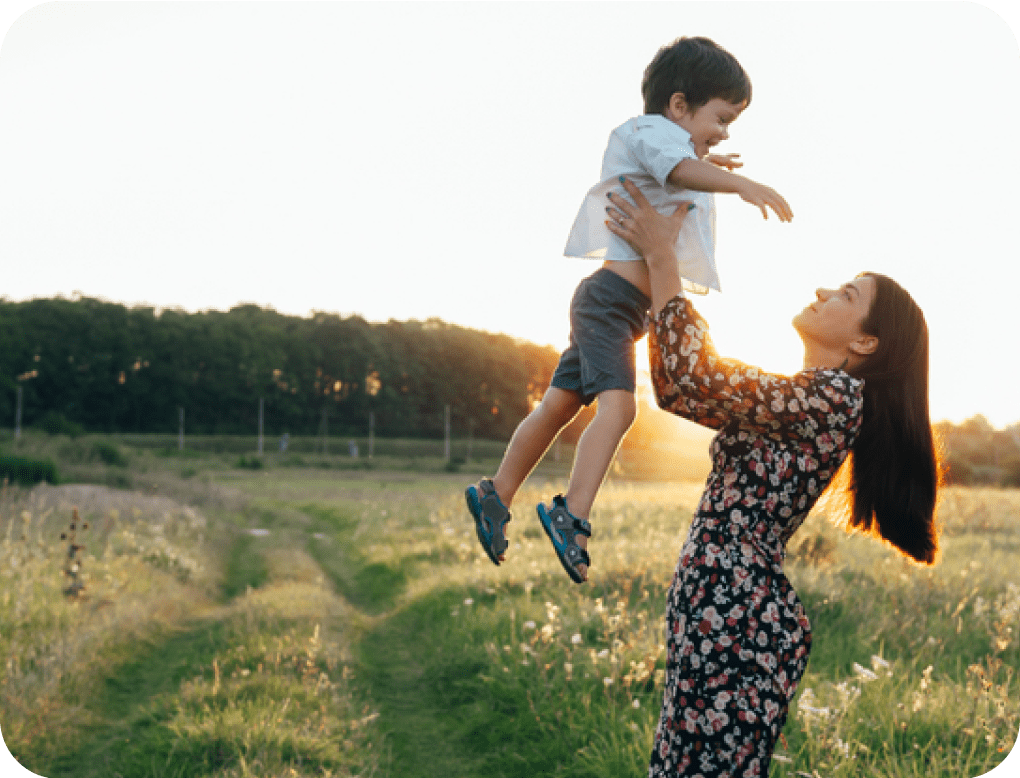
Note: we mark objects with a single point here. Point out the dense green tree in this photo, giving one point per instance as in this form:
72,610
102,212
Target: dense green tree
107,367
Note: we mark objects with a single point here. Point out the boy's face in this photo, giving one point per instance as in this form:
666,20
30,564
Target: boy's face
707,124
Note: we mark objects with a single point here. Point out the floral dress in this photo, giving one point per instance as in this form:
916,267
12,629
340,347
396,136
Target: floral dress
738,637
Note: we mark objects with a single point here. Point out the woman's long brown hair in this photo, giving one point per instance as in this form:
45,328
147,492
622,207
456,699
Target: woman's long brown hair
893,473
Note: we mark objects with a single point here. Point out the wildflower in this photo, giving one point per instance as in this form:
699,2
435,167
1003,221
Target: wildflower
603,653
864,673
806,706
607,681
575,639
529,625
849,693
568,668
878,663
926,677
469,601
821,713
636,704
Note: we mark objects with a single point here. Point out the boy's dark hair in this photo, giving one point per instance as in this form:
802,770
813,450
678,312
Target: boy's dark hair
698,68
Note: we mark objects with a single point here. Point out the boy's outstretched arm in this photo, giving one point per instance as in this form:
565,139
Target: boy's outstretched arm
703,176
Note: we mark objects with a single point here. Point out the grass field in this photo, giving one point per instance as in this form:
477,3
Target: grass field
318,619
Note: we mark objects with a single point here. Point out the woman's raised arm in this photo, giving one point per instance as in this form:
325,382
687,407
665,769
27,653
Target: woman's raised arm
653,236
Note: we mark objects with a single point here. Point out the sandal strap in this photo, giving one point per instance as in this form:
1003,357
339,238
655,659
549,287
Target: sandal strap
492,506
580,526
577,555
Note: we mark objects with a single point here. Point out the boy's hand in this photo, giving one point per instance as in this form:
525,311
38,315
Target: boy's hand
728,161
765,197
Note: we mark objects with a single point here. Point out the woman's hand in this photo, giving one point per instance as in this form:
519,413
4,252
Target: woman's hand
653,236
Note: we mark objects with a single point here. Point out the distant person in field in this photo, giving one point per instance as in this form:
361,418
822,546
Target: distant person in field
738,636
693,90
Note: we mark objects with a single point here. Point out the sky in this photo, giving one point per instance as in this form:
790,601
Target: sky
416,160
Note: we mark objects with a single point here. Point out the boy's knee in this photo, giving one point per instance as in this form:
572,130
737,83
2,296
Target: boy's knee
620,404
560,405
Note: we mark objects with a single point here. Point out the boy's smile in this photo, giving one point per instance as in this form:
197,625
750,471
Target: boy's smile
708,124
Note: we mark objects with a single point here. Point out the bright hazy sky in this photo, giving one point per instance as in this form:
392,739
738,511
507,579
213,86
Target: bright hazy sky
416,160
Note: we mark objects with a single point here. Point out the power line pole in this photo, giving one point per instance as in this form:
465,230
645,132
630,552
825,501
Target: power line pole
371,433
324,428
17,418
446,446
262,406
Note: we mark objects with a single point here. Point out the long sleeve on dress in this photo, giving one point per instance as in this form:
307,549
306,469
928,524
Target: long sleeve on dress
691,380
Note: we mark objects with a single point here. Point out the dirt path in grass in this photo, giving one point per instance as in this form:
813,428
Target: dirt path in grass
428,713
127,731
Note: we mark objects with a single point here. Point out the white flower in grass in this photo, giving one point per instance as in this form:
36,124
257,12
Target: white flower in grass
819,713
636,704
529,625
607,681
576,639
864,673
469,601
848,692
603,653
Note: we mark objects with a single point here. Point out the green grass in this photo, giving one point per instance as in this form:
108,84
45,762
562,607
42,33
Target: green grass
364,633
245,567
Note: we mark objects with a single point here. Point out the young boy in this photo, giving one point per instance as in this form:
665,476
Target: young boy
693,90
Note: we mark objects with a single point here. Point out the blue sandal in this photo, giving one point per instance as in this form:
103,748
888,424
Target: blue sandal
563,527
491,517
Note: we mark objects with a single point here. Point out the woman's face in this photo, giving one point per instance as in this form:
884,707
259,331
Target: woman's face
834,319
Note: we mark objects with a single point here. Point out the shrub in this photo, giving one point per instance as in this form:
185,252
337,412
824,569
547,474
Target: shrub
1011,473
56,423
109,453
27,472
454,464
959,472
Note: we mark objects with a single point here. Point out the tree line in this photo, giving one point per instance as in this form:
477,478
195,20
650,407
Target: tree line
977,454
105,367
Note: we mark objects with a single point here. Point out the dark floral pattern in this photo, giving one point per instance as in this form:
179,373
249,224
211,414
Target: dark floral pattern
738,637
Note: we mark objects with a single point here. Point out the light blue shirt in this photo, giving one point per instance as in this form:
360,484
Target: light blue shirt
645,149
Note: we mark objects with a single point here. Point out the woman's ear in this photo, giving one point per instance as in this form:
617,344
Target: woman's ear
864,345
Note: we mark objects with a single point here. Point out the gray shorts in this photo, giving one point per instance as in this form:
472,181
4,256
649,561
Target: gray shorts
608,315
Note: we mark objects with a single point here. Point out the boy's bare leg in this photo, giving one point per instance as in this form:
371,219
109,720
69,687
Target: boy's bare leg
532,439
596,448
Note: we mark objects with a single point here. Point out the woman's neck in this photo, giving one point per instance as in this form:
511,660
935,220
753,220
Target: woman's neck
817,356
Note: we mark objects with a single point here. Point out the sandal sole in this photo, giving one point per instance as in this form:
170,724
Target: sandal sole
545,521
475,508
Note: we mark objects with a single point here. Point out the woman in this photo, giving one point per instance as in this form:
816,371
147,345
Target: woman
738,636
